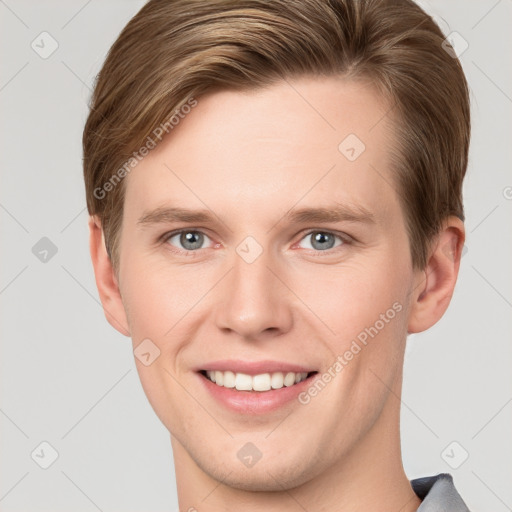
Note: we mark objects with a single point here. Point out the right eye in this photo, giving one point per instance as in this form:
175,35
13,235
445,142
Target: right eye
190,240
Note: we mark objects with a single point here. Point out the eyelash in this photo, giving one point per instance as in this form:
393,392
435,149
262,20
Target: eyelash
345,239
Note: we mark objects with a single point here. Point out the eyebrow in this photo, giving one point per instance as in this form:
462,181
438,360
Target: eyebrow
337,213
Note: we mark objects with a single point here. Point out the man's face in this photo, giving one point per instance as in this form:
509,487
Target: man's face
255,289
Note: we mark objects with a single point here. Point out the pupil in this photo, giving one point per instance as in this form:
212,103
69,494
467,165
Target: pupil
188,240
322,238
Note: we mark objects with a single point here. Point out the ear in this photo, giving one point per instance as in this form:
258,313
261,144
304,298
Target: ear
106,280
436,282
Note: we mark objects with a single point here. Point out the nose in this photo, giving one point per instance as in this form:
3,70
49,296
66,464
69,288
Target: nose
253,300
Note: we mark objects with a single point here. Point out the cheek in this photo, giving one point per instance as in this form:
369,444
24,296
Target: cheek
368,313
376,317
350,298
367,308
156,296
158,304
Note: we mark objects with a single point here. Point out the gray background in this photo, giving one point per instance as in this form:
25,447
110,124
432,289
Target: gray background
69,379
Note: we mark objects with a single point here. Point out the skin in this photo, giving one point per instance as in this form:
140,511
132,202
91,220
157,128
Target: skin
250,158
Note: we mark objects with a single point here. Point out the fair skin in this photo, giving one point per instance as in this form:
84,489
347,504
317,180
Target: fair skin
250,159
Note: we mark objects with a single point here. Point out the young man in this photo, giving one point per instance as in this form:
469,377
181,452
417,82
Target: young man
275,201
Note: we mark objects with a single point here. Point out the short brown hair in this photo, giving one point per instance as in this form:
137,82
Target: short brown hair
175,50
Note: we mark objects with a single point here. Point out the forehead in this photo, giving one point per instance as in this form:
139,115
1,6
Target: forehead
312,140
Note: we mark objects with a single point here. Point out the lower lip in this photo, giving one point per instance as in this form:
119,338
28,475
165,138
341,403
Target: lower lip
255,402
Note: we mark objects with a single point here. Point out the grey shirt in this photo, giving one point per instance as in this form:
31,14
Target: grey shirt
438,494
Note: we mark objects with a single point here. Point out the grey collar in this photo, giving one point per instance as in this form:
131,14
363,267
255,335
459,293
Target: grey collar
438,494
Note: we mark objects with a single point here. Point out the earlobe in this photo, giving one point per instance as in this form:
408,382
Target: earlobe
106,280
436,283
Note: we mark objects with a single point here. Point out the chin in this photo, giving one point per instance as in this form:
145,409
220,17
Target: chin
265,476
264,481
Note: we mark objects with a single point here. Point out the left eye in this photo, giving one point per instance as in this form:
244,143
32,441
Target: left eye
322,240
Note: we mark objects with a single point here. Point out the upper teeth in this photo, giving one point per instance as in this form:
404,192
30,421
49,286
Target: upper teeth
261,382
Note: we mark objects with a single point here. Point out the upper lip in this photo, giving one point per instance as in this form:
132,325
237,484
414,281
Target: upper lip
254,367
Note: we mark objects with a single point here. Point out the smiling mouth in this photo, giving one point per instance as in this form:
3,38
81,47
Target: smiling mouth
260,383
